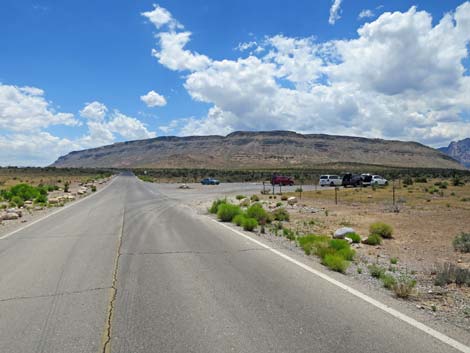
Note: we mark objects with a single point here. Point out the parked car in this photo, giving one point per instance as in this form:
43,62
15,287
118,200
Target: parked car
282,180
353,180
330,180
378,180
366,179
210,181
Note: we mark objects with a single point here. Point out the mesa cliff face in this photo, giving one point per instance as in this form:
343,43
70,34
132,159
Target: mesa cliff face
271,149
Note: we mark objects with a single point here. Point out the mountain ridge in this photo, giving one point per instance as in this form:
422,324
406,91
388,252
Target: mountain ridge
459,150
264,149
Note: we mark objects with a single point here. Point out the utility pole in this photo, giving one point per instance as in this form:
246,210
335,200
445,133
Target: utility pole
336,195
393,192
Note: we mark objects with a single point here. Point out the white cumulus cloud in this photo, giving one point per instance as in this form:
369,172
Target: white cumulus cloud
153,99
366,13
94,110
161,17
26,109
335,11
402,77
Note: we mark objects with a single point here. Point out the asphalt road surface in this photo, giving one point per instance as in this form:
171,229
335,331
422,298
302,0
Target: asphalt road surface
131,269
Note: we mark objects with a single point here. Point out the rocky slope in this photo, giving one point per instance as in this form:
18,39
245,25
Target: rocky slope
273,149
459,150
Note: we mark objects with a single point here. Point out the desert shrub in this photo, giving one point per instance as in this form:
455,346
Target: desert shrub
288,233
393,260
339,244
257,212
335,262
279,204
407,181
67,185
226,212
249,224
356,238
421,180
462,242
93,188
310,243
442,184
238,219
240,197
298,190
215,205
382,229
373,239
457,181
17,201
347,253
376,270
388,281
41,199
404,286
281,214
449,273
284,197
254,198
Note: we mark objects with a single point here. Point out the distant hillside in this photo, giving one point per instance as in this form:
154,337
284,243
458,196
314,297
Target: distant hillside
273,149
459,150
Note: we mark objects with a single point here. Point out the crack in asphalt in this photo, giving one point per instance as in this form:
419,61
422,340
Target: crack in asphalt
54,294
106,338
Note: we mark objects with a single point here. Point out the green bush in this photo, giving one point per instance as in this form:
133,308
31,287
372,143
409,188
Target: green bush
289,234
284,197
382,229
93,188
257,212
249,224
226,212
373,239
404,286
298,190
279,204
41,199
310,243
215,205
335,262
339,244
238,219
347,253
388,281
462,242
240,197
393,260
356,238
281,214
17,201
376,271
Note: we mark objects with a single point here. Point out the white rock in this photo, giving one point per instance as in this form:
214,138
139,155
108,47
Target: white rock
342,232
245,202
10,215
292,200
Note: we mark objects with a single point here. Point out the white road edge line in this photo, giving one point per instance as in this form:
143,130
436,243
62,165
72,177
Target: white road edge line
55,212
395,313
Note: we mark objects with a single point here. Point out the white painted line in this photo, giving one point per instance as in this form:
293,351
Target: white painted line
436,334
55,212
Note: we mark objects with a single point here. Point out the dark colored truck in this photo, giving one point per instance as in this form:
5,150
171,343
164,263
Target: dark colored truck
282,180
355,180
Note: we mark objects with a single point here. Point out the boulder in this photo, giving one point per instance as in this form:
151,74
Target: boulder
15,210
184,186
292,200
245,202
341,233
54,200
10,216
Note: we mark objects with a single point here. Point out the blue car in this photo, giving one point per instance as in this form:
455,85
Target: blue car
210,181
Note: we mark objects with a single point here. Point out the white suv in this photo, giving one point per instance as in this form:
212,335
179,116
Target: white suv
330,180
378,180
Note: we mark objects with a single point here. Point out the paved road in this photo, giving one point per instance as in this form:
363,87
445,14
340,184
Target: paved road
133,270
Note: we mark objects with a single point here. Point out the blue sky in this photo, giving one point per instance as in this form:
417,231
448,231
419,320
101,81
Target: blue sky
225,66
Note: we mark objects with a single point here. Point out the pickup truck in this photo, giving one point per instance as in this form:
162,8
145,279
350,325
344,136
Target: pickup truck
355,180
